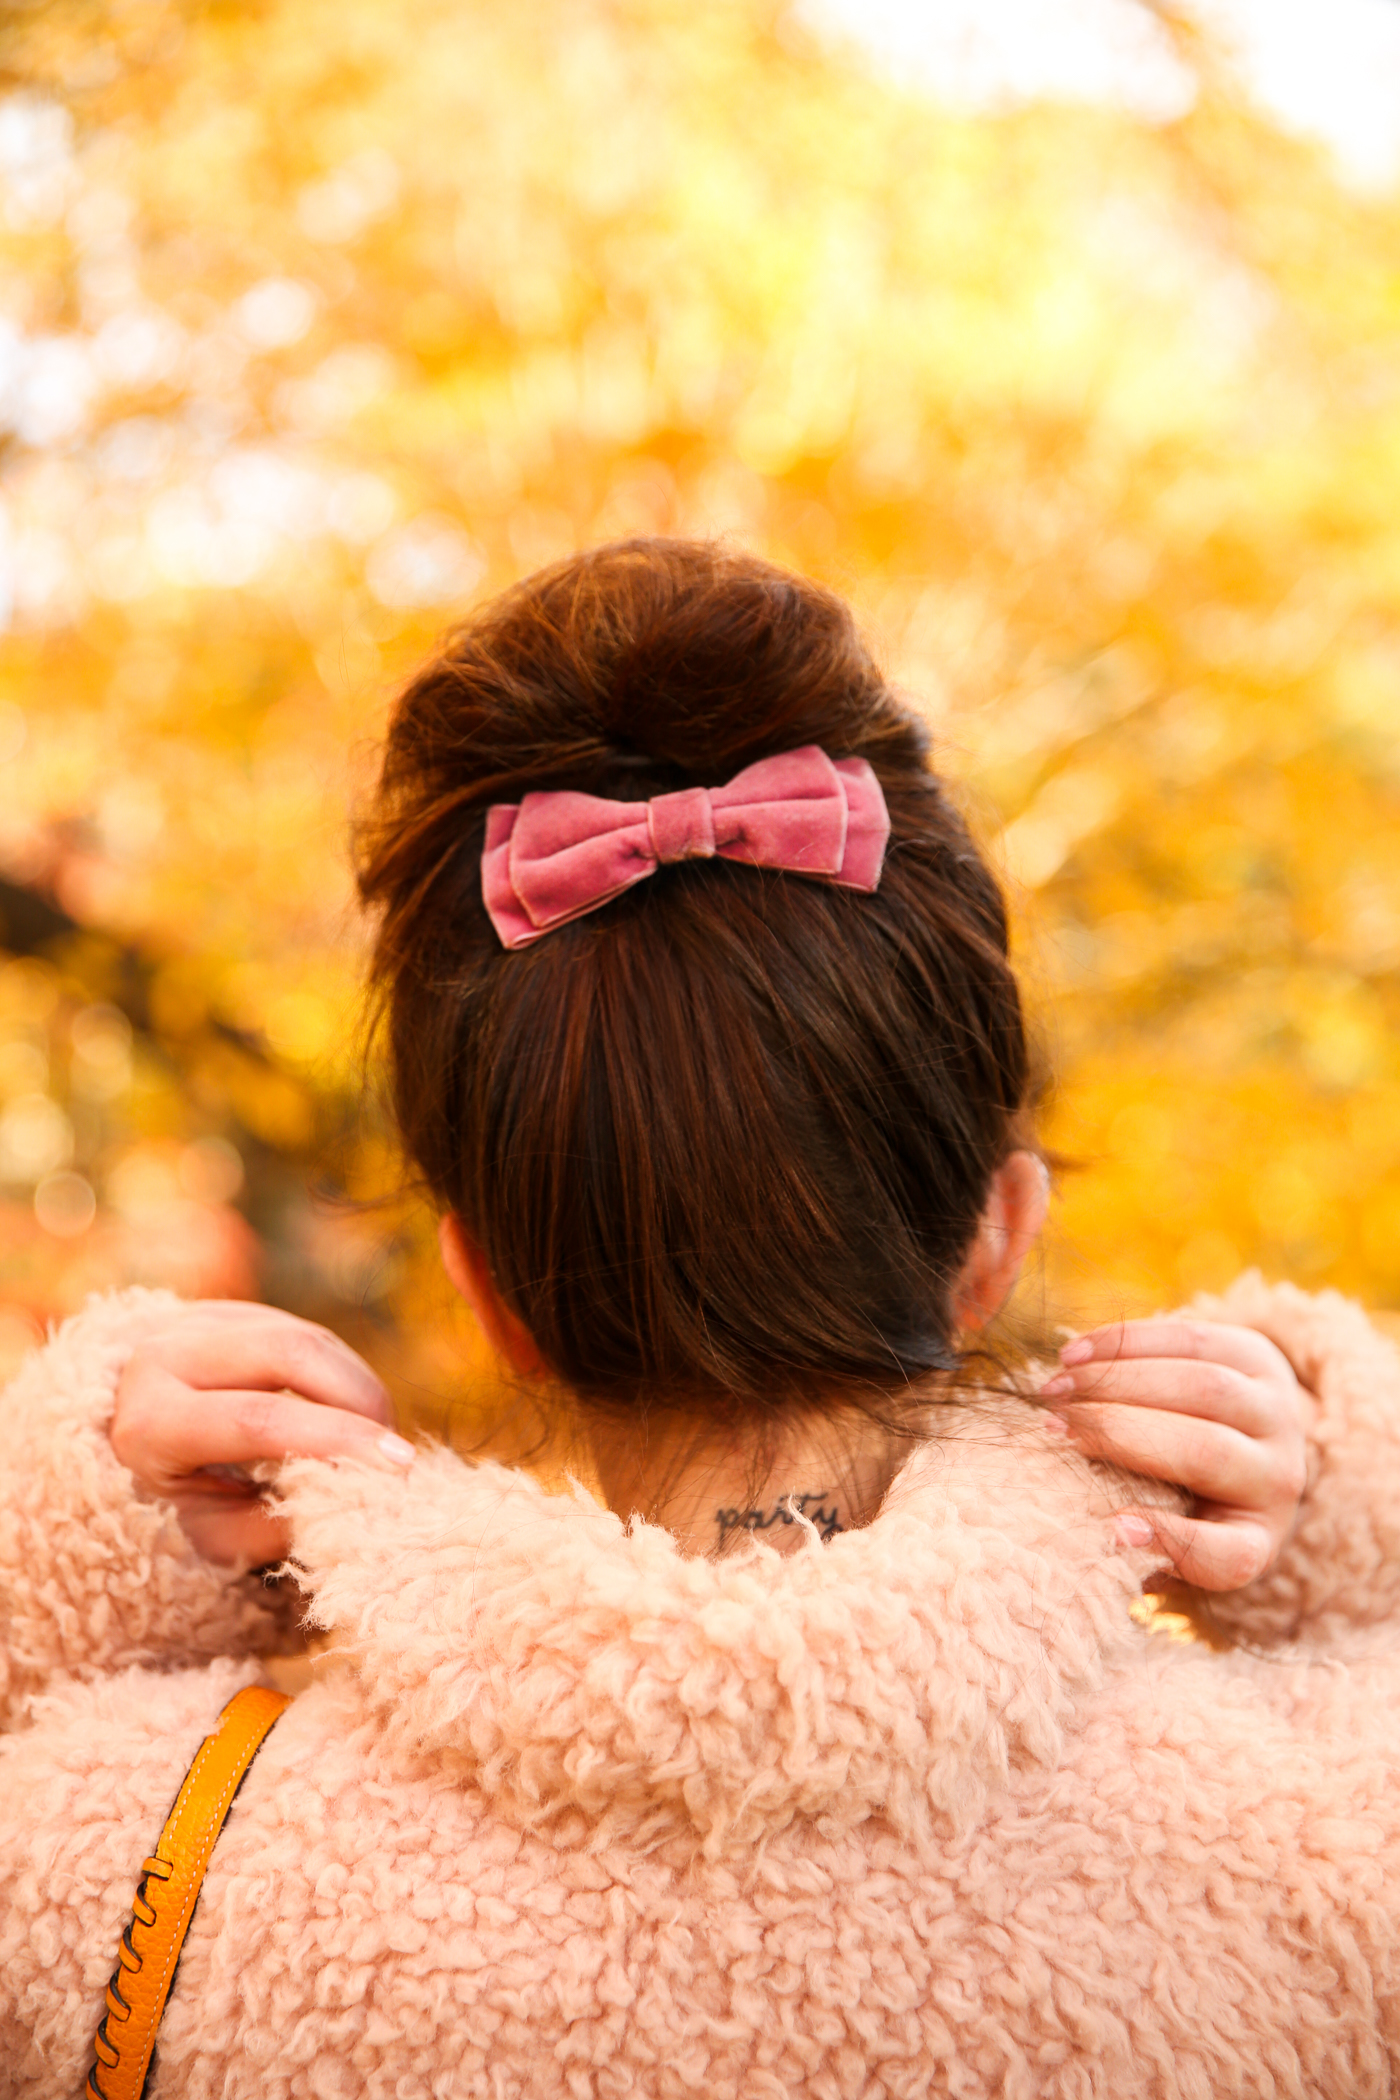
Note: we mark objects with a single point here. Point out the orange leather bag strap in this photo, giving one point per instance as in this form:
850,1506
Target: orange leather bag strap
168,1891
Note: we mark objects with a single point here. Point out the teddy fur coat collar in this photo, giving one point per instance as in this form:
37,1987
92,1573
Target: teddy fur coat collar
576,1665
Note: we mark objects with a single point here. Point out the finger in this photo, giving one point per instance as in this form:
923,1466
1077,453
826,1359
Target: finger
175,1432
1204,1457
216,1353
1210,1553
234,1530
242,1311
1211,1390
1241,1348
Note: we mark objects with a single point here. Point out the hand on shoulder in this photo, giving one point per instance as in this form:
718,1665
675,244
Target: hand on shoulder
1215,1409
225,1386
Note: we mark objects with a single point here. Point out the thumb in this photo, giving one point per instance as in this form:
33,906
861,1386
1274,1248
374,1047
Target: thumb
236,1531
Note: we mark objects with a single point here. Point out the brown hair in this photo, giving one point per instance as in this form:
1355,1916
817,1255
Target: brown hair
725,1142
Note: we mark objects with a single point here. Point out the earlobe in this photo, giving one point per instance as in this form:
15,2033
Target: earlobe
1011,1223
470,1277
456,1257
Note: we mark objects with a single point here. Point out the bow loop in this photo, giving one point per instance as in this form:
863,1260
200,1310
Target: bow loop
555,856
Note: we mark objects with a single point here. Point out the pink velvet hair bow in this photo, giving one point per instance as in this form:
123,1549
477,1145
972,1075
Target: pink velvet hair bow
555,856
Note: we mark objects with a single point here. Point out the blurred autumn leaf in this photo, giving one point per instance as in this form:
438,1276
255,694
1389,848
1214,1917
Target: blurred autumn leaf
324,320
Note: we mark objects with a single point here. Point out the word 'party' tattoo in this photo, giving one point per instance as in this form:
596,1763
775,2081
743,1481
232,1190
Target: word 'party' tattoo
787,1511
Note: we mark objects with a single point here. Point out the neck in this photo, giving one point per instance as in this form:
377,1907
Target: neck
830,1473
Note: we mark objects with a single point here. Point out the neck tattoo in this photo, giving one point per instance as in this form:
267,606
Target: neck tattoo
787,1511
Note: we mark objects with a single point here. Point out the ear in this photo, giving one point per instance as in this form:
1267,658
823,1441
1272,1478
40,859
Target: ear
471,1278
1017,1201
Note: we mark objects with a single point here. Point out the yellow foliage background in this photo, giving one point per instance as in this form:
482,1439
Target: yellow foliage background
327,319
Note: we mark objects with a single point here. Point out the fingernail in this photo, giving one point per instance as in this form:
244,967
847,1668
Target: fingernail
1076,1352
397,1449
1132,1531
1060,1383
1055,1425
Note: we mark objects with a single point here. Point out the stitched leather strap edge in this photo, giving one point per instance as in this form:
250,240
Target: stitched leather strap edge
167,1892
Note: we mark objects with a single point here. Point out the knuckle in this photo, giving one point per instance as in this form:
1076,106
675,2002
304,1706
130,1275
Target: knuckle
1195,1563
1203,1449
1250,1557
1087,1420
158,1353
1224,1557
134,1437
256,1416
143,1408
1292,1471
302,1354
139,1412
1210,1384
134,1378
1273,1363
296,1347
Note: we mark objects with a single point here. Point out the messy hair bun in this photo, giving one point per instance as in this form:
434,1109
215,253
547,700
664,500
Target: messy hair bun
724,1143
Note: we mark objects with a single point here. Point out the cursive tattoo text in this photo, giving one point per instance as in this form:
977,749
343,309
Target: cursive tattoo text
787,1511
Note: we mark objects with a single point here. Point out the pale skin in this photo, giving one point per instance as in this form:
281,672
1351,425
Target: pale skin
1216,1409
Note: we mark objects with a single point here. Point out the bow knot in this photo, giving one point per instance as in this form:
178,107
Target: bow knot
554,856
682,826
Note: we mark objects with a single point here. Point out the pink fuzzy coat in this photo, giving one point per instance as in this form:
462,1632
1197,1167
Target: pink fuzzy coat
918,1811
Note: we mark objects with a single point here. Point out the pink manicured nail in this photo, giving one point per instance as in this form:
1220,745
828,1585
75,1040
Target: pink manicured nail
1132,1531
1054,1425
1060,1383
398,1449
1078,1352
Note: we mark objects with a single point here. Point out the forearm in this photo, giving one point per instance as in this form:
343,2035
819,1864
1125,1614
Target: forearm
93,1576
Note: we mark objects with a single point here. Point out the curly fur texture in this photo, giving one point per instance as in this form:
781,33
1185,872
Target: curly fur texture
92,1578
915,1811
